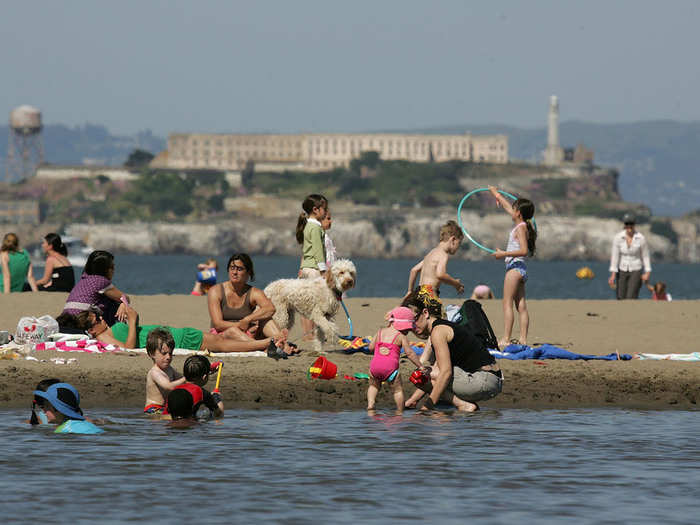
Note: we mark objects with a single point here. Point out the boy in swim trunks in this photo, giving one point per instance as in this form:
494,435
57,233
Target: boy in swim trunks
433,267
161,378
433,271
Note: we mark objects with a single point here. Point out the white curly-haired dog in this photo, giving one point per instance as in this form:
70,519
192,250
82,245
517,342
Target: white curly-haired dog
317,299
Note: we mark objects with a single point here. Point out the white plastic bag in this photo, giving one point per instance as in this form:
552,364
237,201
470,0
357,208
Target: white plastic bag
32,330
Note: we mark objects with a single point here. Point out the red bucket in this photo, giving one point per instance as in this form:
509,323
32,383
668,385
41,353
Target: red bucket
323,369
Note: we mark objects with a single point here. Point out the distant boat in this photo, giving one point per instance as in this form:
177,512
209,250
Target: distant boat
78,252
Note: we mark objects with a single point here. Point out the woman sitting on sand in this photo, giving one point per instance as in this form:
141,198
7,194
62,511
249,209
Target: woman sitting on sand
15,267
58,271
95,288
133,335
242,312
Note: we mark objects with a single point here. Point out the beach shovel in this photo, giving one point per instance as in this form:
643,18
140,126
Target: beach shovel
218,376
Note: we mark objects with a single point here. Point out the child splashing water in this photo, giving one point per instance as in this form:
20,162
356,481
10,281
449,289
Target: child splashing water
385,363
521,244
310,235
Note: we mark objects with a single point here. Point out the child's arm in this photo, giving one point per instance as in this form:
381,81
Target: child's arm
373,341
5,272
522,241
649,287
409,351
412,276
164,382
444,277
502,201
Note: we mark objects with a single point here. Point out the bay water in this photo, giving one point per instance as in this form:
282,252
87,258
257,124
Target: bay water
292,466
175,274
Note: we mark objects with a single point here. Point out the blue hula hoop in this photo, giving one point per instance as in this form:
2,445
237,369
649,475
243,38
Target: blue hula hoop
464,230
347,314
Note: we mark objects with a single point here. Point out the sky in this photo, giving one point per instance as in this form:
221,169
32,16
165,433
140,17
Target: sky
330,66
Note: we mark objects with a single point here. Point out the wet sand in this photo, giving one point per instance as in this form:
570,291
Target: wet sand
589,327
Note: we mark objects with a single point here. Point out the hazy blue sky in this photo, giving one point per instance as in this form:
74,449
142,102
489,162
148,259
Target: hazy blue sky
348,66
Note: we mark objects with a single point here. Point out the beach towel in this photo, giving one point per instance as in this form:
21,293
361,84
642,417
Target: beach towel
695,356
96,347
547,351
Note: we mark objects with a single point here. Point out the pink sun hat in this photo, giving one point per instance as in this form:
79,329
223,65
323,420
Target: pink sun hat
402,318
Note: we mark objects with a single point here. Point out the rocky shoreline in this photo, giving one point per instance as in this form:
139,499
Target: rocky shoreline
370,233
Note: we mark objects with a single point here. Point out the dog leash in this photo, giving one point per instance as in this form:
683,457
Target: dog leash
347,314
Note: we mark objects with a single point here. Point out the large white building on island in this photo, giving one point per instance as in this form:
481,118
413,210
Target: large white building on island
323,151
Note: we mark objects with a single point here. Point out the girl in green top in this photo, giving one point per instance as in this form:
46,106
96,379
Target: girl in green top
311,236
14,266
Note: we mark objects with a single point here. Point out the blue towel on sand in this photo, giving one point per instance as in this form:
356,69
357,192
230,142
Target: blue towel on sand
547,351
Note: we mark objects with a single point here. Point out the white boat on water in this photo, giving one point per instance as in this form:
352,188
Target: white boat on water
78,252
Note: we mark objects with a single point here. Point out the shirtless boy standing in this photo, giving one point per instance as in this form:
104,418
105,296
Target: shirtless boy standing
433,267
161,378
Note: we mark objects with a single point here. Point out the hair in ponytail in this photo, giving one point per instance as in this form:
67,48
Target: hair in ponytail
54,240
527,211
310,202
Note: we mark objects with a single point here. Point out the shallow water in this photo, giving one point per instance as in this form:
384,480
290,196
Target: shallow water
496,466
175,274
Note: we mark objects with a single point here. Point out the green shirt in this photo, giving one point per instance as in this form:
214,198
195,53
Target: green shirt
188,338
314,248
19,266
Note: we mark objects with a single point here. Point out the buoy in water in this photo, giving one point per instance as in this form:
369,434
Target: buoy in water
585,273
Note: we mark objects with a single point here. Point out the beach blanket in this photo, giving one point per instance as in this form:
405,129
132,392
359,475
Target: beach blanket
695,356
547,351
96,347
91,346
352,344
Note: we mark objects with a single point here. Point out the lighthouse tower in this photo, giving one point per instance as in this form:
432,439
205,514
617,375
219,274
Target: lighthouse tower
553,154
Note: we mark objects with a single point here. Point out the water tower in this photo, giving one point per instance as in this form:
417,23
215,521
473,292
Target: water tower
24,148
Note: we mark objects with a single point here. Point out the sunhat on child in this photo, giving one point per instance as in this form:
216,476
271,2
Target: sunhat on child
402,318
64,398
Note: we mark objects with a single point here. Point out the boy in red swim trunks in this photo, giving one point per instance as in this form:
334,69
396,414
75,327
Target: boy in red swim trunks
161,378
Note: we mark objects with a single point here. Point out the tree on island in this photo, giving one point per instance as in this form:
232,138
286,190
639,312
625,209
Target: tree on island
139,158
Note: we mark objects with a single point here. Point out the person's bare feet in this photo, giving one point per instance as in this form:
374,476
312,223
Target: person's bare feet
467,407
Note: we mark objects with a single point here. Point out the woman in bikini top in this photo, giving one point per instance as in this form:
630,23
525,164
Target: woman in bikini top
252,318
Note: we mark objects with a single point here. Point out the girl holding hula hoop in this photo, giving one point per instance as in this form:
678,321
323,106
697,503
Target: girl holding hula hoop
521,244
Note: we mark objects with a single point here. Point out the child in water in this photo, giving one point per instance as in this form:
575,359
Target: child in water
385,363
196,370
161,378
38,416
310,234
206,277
61,406
521,244
658,292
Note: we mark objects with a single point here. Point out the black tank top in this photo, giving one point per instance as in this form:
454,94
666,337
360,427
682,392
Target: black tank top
466,350
62,280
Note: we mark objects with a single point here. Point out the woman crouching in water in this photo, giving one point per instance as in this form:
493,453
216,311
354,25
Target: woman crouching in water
464,372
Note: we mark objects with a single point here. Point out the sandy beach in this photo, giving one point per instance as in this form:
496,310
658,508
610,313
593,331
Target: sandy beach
589,327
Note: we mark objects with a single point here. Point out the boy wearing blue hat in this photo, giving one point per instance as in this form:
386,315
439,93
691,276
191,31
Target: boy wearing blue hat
61,404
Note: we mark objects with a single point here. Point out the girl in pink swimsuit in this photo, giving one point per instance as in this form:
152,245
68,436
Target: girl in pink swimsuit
385,363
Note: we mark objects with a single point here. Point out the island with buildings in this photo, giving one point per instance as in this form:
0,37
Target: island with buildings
389,193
